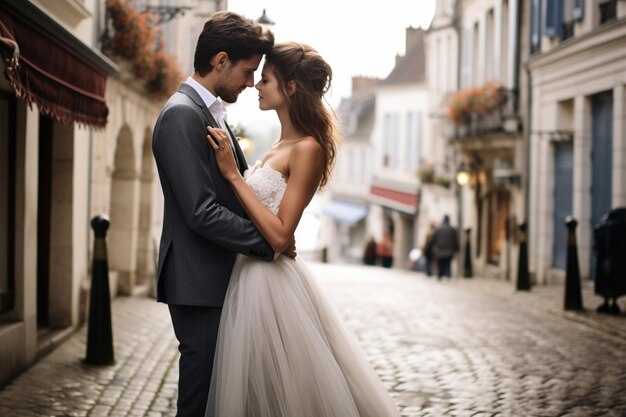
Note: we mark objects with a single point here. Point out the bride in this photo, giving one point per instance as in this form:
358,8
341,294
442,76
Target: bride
282,351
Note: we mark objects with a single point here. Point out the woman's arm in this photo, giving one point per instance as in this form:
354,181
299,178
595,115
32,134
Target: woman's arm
188,176
305,168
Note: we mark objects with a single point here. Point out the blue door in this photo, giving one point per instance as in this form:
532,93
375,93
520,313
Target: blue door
563,193
601,160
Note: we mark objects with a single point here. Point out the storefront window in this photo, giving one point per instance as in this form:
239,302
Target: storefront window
7,199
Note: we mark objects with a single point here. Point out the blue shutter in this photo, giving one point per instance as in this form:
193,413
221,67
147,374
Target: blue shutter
535,35
579,9
554,18
535,29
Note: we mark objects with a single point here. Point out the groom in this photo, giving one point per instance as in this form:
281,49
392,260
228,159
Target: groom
204,225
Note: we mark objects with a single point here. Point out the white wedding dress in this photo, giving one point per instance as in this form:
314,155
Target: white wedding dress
282,351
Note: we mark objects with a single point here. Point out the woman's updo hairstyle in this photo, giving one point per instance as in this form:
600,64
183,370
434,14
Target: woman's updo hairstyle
292,61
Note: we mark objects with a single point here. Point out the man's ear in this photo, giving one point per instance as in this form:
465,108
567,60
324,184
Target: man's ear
220,60
291,88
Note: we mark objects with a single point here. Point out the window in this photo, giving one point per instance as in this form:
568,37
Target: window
554,18
490,61
409,142
390,140
413,138
356,163
535,29
466,69
7,198
579,10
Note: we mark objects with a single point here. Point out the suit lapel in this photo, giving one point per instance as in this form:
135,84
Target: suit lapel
189,91
193,94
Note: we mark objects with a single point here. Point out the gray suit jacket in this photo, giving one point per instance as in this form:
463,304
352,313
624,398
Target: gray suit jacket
204,225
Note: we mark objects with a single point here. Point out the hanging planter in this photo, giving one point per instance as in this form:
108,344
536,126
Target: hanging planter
135,40
467,104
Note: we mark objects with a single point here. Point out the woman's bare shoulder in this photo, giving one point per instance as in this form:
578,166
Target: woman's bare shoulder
307,147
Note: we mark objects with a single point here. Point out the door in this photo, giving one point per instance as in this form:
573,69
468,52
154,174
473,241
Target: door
499,205
7,200
563,197
601,161
44,200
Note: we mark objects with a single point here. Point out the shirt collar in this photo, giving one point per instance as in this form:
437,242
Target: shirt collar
212,103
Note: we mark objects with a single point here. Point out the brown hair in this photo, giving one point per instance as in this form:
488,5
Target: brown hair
234,34
302,64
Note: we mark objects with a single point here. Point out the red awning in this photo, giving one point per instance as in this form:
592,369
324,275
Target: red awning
43,69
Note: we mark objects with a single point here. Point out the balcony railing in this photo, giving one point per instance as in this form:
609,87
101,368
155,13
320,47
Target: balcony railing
503,118
608,11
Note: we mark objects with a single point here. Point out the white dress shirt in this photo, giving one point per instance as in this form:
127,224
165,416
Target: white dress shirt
215,106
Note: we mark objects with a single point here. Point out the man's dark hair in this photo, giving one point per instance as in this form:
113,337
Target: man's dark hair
234,34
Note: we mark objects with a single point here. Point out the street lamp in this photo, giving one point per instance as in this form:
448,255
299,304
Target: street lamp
265,20
462,176
247,146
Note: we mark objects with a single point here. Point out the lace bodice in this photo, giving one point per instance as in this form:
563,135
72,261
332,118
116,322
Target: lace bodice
268,184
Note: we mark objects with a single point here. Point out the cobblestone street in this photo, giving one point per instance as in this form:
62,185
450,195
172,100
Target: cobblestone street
443,348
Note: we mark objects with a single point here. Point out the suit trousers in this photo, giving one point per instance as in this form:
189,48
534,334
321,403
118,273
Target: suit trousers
196,330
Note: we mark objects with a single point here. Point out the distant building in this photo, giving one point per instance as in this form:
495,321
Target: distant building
376,186
485,127
347,205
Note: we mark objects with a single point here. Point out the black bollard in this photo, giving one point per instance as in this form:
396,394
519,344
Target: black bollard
573,295
100,333
467,261
523,279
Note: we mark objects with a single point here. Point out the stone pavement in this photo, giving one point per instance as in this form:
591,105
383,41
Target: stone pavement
443,348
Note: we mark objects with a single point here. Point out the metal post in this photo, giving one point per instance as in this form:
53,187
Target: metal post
523,280
100,333
573,296
467,263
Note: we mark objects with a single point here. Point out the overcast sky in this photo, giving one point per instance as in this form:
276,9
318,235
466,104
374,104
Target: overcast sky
356,37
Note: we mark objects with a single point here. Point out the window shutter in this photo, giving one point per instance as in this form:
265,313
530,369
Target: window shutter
554,18
535,36
579,9
466,70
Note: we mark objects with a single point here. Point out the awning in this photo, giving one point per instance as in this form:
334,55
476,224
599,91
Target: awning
47,65
345,212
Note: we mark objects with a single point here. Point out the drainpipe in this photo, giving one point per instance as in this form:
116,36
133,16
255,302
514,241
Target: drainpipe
529,109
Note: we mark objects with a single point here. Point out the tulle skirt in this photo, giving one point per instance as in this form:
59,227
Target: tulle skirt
282,351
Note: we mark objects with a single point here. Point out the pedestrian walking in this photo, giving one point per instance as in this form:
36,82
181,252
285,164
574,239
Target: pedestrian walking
445,243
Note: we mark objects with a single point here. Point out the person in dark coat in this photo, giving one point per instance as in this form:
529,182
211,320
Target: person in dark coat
445,243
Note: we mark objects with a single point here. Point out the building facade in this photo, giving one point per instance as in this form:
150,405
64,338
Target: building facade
399,133
75,143
439,161
486,128
347,206
578,127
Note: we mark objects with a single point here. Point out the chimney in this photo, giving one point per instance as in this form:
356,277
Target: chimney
360,82
413,35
